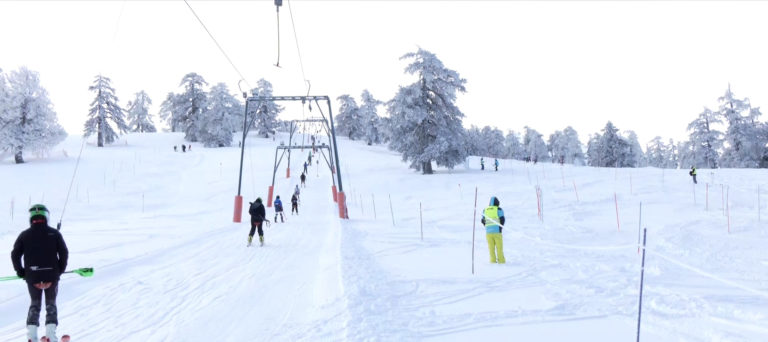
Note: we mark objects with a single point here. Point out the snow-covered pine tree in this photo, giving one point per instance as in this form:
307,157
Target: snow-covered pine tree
534,145
574,154
28,122
138,116
221,117
170,112
672,157
4,105
686,154
104,112
370,117
347,122
635,155
512,146
656,153
474,145
385,129
266,114
493,139
741,132
613,148
191,105
426,123
705,139
594,157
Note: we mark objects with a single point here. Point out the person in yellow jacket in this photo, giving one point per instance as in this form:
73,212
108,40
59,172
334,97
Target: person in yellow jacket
493,219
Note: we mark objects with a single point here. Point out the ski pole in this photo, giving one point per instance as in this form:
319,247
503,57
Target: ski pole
83,272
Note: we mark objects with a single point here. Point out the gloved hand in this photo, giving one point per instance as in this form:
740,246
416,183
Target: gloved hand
20,273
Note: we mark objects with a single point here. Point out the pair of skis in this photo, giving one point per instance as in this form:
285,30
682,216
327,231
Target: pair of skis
64,338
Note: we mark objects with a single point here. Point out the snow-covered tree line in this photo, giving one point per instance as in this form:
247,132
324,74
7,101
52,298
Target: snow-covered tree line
28,122
424,125
731,136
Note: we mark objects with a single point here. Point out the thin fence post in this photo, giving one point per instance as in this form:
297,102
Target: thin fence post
12,205
639,224
576,191
693,187
421,223
538,203
722,195
474,222
758,203
390,210
728,207
541,198
616,200
642,274
373,203
362,207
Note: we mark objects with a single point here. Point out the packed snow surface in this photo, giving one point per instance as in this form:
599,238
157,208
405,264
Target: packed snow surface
170,264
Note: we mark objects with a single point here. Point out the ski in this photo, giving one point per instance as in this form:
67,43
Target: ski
64,338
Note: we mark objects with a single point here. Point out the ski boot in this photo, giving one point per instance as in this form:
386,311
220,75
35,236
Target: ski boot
32,333
50,333
261,240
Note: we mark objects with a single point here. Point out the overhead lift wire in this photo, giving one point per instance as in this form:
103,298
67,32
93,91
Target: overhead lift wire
296,38
218,45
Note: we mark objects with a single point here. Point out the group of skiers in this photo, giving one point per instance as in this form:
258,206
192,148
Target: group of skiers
184,148
258,214
495,164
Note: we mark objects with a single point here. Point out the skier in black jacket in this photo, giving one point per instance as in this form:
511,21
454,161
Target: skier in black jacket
294,204
257,219
45,259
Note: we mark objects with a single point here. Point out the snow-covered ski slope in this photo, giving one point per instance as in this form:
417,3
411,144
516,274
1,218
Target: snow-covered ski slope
171,266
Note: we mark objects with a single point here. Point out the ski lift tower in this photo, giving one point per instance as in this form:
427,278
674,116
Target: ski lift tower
256,102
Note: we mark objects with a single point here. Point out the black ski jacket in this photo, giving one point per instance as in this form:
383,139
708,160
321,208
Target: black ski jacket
45,253
257,212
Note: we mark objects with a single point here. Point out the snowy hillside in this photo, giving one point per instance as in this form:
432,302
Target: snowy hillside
171,266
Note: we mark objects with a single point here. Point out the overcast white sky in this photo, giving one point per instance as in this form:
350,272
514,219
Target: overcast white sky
647,66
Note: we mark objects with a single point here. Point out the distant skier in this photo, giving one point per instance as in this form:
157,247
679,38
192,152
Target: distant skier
305,167
295,204
482,163
45,259
183,148
174,148
297,192
496,164
692,173
303,179
493,219
279,209
257,213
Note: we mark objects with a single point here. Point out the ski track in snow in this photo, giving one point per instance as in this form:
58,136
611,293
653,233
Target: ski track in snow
170,265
